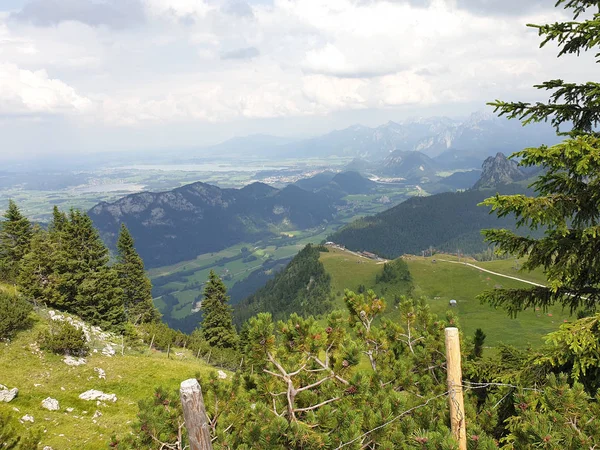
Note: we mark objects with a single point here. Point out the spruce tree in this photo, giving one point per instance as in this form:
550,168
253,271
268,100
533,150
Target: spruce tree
137,288
81,254
217,324
40,279
568,203
15,235
99,299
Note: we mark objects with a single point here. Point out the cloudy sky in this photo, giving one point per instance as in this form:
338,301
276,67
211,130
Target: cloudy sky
113,75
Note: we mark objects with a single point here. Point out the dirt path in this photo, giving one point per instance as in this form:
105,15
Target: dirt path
493,273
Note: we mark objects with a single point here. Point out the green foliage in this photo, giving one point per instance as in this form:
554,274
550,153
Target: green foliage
159,423
394,271
15,235
568,201
14,313
217,324
136,286
161,336
67,268
575,349
302,287
478,341
305,386
64,339
10,439
557,416
445,221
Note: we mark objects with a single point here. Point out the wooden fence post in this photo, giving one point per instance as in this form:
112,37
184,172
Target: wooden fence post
455,391
194,413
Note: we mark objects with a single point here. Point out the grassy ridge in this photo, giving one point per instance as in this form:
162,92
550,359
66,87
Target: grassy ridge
40,375
440,282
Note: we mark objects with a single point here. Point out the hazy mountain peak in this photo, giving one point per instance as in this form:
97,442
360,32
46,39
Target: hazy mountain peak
499,170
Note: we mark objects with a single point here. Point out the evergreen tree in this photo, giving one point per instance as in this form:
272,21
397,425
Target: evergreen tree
99,299
15,235
137,288
59,220
568,201
217,324
40,279
82,253
478,341
67,268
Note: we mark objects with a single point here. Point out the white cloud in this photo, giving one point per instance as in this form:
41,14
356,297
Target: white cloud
24,92
225,61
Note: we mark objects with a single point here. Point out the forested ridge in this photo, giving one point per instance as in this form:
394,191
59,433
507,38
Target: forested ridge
303,287
442,221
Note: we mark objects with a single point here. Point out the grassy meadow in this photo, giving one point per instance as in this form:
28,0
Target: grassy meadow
39,375
441,282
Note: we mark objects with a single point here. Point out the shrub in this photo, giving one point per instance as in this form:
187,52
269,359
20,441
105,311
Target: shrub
64,338
14,439
14,311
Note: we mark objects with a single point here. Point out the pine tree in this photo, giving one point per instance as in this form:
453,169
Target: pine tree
15,235
217,324
137,288
568,201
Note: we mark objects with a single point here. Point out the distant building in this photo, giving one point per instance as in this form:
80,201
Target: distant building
453,303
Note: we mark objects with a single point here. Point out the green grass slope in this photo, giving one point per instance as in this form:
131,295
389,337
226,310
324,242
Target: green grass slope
441,282
39,375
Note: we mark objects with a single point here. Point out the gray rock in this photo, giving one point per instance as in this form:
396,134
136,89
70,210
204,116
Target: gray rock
70,361
7,395
27,418
93,394
108,351
51,404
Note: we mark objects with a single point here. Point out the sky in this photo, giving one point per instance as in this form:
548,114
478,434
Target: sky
116,75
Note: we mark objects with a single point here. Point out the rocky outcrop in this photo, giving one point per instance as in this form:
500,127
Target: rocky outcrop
51,404
93,394
498,170
71,361
7,395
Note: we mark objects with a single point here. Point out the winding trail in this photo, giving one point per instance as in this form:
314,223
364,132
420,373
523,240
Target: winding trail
493,273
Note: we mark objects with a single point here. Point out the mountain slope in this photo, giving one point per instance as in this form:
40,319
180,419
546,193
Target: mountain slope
303,287
199,218
499,170
411,165
420,222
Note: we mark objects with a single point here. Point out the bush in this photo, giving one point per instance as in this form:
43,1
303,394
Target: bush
14,311
12,438
63,338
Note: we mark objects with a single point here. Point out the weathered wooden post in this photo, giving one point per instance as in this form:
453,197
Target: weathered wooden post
194,413
455,391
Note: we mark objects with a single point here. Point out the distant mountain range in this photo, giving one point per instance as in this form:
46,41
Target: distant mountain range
199,218
451,143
